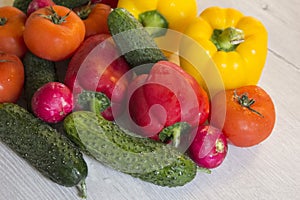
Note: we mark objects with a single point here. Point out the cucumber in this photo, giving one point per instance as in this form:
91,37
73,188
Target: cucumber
143,158
71,3
23,4
50,152
38,72
133,40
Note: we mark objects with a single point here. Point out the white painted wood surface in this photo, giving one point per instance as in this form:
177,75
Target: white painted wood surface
268,171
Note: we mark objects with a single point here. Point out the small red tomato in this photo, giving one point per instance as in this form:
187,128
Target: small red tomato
11,77
12,24
249,115
94,18
209,147
52,102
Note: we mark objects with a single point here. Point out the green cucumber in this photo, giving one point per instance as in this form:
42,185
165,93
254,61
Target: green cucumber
133,40
38,72
143,158
23,4
50,152
71,3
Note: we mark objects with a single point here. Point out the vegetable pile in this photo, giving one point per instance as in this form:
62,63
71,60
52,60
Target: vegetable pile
149,89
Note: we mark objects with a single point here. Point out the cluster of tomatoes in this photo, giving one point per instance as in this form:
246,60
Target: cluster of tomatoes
245,115
45,33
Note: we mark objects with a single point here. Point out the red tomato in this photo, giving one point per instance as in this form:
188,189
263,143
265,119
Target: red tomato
165,96
11,77
94,18
54,34
249,115
12,23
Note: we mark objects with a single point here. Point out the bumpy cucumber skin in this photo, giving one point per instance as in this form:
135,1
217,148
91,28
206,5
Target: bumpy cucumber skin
38,72
70,3
51,153
134,42
23,4
143,158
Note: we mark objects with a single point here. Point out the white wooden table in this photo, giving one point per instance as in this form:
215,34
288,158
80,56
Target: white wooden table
268,171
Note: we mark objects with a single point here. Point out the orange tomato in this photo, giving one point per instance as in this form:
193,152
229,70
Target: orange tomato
249,115
94,18
12,23
11,77
54,33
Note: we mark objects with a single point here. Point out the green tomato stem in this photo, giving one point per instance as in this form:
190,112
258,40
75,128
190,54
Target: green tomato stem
54,17
3,21
246,102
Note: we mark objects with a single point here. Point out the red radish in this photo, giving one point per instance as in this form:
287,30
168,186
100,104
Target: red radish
37,4
52,102
209,147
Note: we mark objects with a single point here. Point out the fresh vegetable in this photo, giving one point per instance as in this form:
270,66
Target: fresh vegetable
236,43
94,18
98,66
38,72
60,31
140,157
37,4
52,102
111,3
133,40
12,23
209,147
249,115
71,3
173,14
11,77
163,97
50,152
23,4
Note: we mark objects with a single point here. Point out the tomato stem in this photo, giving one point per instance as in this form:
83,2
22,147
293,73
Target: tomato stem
3,61
84,12
246,102
3,21
54,17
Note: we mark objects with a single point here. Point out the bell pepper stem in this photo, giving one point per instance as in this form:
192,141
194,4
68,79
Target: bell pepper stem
227,39
155,23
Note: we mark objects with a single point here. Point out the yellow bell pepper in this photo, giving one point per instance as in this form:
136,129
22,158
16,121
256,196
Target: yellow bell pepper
176,12
237,45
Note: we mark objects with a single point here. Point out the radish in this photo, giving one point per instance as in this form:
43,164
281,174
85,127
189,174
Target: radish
52,102
209,147
37,4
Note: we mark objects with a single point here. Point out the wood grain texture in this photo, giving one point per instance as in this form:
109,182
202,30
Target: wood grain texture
268,171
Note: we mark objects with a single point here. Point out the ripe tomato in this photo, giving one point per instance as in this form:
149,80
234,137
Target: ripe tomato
11,77
12,23
249,115
53,33
94,18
